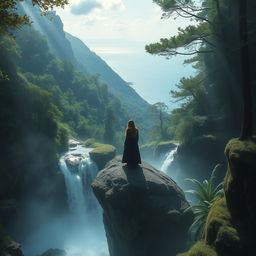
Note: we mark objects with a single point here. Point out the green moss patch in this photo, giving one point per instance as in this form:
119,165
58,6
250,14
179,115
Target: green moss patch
237,145
101,153
220,236
103,149
199,249
239,186
99,148
219,231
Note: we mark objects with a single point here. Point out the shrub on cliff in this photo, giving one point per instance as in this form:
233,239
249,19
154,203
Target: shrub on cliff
206,193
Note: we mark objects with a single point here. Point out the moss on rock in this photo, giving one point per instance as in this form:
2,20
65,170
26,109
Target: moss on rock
199,249
239,186
102,153
220,236
219,231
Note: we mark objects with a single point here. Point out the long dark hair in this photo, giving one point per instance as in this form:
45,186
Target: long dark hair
131,128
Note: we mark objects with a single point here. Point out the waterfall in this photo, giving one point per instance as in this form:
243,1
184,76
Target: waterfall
79,171
168,158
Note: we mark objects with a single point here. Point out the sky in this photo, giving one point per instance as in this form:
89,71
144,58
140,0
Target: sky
118,30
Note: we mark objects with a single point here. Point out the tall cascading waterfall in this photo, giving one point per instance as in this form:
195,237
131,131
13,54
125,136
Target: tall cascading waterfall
167,159
79,231
86,231
79,171
171,170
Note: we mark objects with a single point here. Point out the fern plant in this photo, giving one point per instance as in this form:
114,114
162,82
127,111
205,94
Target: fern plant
206,193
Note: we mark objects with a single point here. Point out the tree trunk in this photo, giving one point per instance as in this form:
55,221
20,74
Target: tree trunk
247,125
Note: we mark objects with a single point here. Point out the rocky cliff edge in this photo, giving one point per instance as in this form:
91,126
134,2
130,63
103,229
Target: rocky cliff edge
143,210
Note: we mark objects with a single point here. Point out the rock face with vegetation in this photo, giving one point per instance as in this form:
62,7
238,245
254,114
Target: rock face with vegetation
144,210
220,236
155,150
193,160
164,147
101,153
10,248
239,185
230,226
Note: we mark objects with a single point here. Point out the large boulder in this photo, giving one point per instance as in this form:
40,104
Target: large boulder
143,210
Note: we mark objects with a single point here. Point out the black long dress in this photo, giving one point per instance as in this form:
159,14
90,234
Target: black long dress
131,154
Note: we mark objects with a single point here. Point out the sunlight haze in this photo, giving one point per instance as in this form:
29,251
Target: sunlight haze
118,31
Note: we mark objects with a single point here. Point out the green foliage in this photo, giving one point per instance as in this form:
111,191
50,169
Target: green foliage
11,20
35,54
109,126
159,112
220,236
220,232
190,89
62,137
188,38
205,193
43,102
214,93
29,135
81,99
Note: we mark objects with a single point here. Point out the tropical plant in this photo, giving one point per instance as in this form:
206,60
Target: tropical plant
206,193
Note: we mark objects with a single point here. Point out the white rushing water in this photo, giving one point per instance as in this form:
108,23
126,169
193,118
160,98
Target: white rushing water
79,230
86,225
167,160
78,178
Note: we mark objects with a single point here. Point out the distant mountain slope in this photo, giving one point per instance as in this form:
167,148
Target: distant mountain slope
95,65
51,27
67,47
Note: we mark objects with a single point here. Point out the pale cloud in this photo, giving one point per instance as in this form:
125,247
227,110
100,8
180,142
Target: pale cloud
132,23
93,19
86,7
114,5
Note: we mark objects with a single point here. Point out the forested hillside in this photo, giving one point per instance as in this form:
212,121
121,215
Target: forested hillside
69,48
82,100
135,105
46,99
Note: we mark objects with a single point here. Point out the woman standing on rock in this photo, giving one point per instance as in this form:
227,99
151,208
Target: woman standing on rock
131,154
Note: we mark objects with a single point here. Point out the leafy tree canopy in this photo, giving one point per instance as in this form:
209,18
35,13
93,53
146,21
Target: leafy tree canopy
11,20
